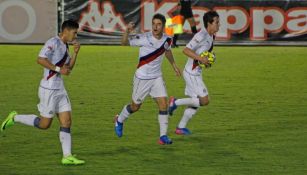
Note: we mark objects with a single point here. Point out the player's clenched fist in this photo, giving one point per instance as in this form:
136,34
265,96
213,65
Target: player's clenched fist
65,70
76,45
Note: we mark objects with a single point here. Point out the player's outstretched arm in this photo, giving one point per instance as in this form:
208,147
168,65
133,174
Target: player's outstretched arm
170,58
129,29
190,53
47,64
73,59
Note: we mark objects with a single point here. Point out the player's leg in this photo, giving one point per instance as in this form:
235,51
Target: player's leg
124,114
26,119
163,120
176,36
46,107
140,91
195,89
158,92
65,139
63,111
192,102
128,110
187,115
192,24
192,83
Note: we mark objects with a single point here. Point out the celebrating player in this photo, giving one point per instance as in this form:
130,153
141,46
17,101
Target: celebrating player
55,59
148,76
195,87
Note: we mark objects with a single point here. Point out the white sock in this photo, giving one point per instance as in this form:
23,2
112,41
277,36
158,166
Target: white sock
124,114
187,115
25,119
65,139
163,121
194,102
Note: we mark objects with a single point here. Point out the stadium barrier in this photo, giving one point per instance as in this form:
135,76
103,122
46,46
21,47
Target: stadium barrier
261,22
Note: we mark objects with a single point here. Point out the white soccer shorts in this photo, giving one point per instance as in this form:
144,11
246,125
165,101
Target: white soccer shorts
195,86
153,87
53,102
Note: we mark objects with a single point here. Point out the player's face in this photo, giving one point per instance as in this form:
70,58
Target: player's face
71,34
215,25
157,27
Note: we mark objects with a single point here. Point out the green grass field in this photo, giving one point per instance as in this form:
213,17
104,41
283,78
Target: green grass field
256,122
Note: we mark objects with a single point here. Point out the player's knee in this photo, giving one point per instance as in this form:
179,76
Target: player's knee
42,123
44,126
66,124
163,107
133,108
204,101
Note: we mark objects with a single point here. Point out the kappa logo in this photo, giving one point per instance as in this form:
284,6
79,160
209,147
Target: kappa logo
101,17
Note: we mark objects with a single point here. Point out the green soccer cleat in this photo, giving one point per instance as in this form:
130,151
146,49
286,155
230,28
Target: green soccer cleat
72,160
9,121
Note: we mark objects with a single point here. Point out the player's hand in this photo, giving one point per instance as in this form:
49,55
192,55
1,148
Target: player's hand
76,45
130,27
177,70
65,70
204,60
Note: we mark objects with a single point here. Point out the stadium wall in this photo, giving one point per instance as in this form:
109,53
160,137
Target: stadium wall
261,22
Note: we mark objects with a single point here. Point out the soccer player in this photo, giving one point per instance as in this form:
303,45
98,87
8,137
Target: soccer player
148,76
185,7
55,59
195,86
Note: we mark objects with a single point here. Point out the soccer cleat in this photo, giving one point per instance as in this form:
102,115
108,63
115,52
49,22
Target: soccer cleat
164,140
9,121
72,160
183,131
172,106
118,127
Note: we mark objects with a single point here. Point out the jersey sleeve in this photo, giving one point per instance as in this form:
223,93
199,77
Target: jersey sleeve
169,44
48,49
137,40
194,44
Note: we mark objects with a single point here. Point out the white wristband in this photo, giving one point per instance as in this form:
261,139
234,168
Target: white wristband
57,69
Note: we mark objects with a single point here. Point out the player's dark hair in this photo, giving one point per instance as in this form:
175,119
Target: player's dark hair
160,17
69,24
208,17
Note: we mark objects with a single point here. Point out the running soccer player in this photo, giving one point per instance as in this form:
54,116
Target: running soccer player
195,86
55,59
148,76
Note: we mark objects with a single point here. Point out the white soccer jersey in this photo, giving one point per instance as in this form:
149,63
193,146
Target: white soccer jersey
201,42
57,53
150,54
